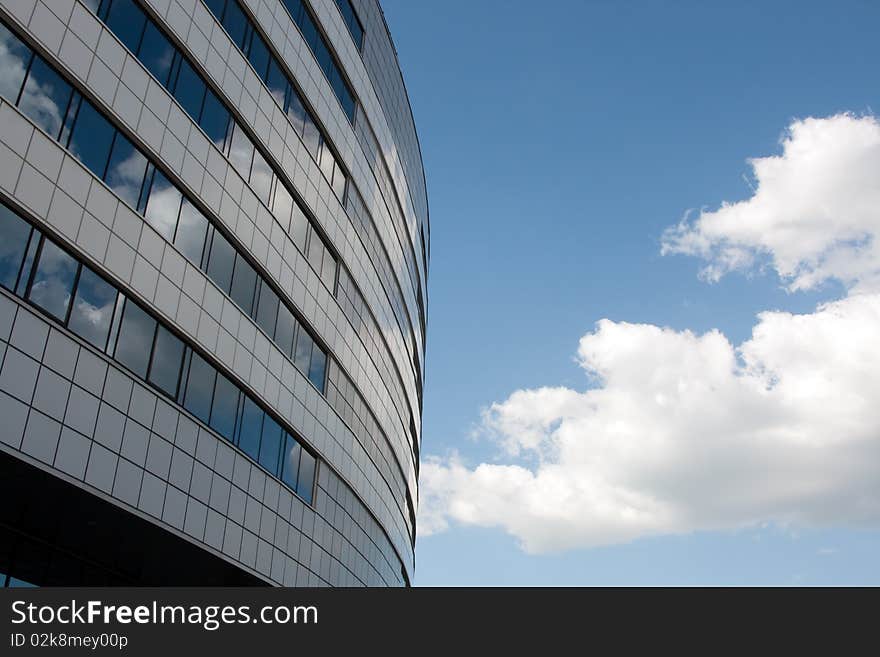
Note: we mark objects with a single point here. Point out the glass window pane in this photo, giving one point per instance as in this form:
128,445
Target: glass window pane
318,367
14,58
267,310
192,227
125,172
92,138
244,282
241,152
327,162
322,54
53,280
225,406
221,262
261,177
93,307
296,112
303,355
340,88
235,22
251,428
290,461
135,339
306,478
311,137
308,29
354,25
167,358
282,205
189,90
126,20
157,53
163,206
45,97
199,388
328,270
216,7
277,82
215,120
295,9
284,330
299,227
259,55
14,233
339,182
316,252
270,445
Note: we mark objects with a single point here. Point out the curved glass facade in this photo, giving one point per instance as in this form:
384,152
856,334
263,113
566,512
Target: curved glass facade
213,270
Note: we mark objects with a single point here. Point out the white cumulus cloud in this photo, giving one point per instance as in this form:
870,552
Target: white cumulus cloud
681,432
814,212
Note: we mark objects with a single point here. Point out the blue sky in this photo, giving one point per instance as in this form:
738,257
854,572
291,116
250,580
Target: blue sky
560,140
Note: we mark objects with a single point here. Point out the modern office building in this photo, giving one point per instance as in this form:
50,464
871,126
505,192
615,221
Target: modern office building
213,263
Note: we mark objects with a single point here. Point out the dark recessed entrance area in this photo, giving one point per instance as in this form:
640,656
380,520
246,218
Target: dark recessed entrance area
53,533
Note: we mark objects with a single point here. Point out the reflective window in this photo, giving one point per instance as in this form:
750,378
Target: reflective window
241,152
53,280
92,138
261,177
340,88
221,262
315,40
167,358
285,329
244,282
135,339
282,205
338,182
303,355
93,307
216,7
225,406
316,252
152,352
156,53
351,22
311,137
199,388
126,20
296,113
250,429
277,83
328,270
189,90
299,227
327,161
306,479
317,368
45,97
14,59
215,120
258,55
267,310
290,461
163,206
125,170
270,445
192,227
306,25
14,234
322,54
235,23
